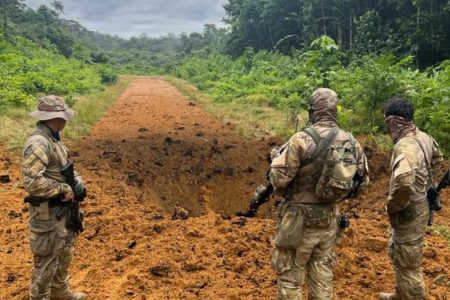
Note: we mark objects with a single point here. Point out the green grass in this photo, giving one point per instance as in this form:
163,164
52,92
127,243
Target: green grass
16,124
91,107
251,118
442,230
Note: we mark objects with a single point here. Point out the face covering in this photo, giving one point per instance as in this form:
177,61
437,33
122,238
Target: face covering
397,127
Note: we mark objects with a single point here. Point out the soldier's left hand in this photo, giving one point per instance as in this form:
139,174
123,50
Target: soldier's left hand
69,197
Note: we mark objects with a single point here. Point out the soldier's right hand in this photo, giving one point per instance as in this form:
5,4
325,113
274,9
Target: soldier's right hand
69,196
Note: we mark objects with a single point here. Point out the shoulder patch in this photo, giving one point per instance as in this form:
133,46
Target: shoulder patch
38,149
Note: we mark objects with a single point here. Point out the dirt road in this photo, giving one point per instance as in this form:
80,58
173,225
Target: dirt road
164,177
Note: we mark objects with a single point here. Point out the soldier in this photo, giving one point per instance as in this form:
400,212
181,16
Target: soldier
51,242
415,162
308,215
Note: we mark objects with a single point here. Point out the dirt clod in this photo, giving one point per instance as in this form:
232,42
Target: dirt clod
160,270
193,267
4,178
132,244
11,278
168,141
180,213
13,214
157,229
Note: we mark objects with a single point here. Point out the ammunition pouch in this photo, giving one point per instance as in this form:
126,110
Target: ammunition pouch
319,216
408,214
289,226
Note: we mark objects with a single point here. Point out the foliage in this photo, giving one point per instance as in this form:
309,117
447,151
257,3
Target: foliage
27,71
402,27
17,124
286,82
108,76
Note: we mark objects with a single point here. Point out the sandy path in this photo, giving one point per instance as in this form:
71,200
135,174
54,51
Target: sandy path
155,158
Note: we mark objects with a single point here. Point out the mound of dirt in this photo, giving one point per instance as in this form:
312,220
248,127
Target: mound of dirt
164,180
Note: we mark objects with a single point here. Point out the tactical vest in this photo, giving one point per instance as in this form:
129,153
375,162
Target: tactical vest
57,156
302,188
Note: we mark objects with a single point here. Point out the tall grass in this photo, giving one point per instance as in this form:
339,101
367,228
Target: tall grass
16,124
250,118
91,107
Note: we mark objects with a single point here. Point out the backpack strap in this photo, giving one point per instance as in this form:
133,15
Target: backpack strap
313,134
322,144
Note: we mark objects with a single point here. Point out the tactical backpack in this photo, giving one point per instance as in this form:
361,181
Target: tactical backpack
337,162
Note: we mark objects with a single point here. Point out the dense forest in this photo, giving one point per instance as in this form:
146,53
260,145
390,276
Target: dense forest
270,53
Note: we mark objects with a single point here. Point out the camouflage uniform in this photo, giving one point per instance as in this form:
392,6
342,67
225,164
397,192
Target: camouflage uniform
306,227
50,241
415,159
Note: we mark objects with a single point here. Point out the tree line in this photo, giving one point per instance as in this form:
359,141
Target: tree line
403,27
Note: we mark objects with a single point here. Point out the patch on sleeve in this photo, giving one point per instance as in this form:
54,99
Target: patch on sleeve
35,160
280,160
401,166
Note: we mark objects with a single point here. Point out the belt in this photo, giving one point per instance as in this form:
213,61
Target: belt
57,201
37,201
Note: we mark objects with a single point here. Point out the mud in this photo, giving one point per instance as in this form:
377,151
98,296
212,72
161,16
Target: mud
164,179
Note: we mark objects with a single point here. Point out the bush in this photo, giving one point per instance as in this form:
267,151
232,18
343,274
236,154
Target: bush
287,82
28,71
108,76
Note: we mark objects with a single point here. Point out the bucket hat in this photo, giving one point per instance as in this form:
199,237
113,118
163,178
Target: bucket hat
53,107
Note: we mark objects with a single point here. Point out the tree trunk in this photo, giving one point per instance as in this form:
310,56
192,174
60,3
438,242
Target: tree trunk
324,20
351,33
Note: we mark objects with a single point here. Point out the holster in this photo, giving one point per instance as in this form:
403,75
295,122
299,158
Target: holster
36,201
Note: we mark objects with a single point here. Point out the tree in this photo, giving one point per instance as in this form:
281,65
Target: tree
10,9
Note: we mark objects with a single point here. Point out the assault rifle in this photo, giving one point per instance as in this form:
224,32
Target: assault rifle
75,220
434,201
262,195
264,192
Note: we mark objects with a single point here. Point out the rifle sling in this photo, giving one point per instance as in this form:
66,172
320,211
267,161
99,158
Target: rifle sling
322,144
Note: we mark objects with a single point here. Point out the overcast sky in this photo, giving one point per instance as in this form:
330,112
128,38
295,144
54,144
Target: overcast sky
128,18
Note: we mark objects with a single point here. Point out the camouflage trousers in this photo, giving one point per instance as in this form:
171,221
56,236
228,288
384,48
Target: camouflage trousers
52,247
304,250
405,251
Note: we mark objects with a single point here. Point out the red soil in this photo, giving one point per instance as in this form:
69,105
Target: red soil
164,177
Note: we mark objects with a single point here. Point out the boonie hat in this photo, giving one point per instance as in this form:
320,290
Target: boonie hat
53,107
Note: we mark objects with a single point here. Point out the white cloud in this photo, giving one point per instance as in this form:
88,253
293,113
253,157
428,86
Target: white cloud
128,18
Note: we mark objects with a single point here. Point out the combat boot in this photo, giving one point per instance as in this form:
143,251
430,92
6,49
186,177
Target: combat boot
70,296
389,296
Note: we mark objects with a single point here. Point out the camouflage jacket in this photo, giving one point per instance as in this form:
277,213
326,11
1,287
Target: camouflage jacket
43,158
411,176
287,170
